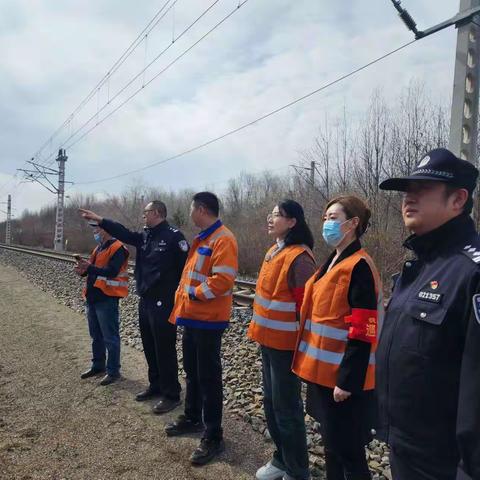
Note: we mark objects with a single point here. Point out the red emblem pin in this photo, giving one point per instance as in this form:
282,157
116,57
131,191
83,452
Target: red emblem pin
434,285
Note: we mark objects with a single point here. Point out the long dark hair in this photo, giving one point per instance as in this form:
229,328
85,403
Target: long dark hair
300,234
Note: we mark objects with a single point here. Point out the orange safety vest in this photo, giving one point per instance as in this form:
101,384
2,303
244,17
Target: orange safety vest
327,322
274,321
113,287
204,295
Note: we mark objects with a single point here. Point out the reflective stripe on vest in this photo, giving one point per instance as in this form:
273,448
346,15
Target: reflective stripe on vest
116,286
275,304
275,324
209,275
197,276
324,331
206,291
274,321
326,355
224,269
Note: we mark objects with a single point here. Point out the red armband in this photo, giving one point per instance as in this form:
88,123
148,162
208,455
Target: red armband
363,325
298,293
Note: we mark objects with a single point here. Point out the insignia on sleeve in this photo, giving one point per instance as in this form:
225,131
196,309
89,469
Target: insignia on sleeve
473,252
183,245
476,306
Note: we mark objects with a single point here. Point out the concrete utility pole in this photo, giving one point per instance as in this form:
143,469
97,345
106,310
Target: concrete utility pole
40,175
464,117
311,185
8,230
59,223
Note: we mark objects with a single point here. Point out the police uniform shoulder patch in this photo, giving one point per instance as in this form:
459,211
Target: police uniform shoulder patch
183,245
476,306
472,251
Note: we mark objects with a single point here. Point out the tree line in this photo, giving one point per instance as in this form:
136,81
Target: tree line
349,157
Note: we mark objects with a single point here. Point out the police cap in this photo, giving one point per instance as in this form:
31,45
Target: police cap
440,165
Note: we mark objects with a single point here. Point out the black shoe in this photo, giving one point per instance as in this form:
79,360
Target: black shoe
165,405
91,372
108,379
183,425
146,394
206,451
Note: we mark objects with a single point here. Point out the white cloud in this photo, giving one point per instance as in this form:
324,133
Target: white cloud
264,56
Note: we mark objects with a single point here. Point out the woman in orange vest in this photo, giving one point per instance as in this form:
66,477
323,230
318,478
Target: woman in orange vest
337,340
275,324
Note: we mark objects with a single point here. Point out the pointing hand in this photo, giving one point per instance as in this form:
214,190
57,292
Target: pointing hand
89,215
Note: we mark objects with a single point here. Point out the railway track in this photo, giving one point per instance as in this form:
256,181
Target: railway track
243,292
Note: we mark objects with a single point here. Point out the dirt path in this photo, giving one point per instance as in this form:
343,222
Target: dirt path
55,426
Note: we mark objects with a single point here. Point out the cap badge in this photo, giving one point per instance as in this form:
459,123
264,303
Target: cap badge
433,284
424,162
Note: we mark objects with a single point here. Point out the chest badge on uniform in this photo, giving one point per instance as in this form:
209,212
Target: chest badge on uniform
183,245
428,293
476,306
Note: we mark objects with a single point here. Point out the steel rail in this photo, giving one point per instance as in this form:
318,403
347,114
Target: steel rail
243,293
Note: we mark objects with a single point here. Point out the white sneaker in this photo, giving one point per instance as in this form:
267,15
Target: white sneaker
269,472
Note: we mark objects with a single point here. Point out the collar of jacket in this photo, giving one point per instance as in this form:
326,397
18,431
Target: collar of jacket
106,244
157,228
208,231
455,232
355,246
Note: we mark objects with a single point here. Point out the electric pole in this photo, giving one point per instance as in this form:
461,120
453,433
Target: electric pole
310,180
40,175
8,229
8,224
464,116
58,241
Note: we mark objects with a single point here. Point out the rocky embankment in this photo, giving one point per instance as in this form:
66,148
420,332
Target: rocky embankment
242,364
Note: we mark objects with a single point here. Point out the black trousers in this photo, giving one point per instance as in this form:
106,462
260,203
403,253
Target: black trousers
159,337
343,431
203,369
407,465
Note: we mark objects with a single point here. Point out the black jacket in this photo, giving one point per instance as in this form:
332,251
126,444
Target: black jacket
161,255
428,358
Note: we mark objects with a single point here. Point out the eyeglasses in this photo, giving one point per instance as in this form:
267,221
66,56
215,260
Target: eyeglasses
271,216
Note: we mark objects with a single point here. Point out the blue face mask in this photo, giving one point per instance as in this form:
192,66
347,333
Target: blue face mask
332,232
97,237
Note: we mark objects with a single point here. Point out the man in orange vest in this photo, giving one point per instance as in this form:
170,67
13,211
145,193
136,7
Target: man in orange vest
203,303
106,283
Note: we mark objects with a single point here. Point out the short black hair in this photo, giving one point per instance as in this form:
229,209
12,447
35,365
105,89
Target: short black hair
451,188
207,200
300,233
160,207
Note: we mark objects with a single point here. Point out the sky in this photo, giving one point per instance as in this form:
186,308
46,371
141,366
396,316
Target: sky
264,55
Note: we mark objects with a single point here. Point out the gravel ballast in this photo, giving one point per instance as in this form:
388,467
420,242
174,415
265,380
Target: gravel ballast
241,359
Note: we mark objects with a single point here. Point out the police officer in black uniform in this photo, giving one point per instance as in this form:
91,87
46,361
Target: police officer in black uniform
428,357
161,254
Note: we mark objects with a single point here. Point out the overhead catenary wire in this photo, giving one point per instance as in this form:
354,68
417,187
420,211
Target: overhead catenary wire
157,18
245,125
66,145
